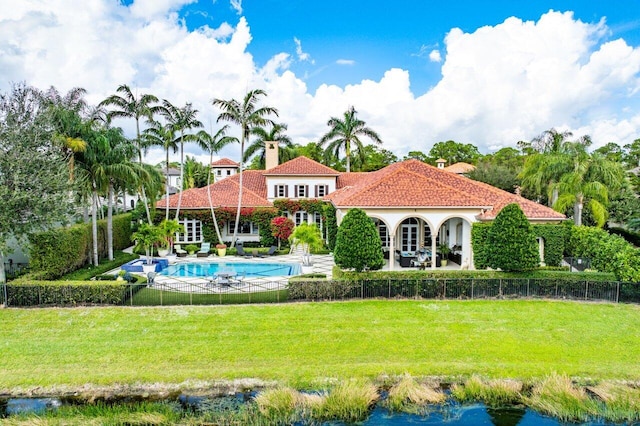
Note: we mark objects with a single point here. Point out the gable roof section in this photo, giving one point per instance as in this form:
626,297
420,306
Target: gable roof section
301,166
225,162
460,167
224,193
412,183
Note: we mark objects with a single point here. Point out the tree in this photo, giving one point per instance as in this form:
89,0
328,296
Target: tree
158,134
611,151
247,116
374,159
495,175
181,120
258,148
512,242
212,144
33,171
345,133
589,182
454,152
358,244
308,236
281,228
416,155
130,105
632,154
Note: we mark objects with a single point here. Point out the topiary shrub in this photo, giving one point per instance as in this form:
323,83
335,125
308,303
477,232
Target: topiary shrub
479,232
512,244
358,244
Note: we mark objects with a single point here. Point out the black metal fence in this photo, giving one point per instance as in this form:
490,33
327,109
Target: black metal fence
13,269
189,293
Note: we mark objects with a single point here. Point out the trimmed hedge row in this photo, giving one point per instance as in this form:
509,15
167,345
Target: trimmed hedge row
632,237
70,293
56,252
464,288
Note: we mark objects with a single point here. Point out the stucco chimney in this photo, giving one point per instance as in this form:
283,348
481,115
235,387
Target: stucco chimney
441,162
270,154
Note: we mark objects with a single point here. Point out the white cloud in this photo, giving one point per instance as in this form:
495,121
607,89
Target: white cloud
302,56
237,6
499,84
434,56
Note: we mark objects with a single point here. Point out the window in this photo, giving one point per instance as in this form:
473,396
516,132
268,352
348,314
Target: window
382,231
426,236
322,190
192,231
281,191
302,191
219,172
228,172
244,228
300,217
317,217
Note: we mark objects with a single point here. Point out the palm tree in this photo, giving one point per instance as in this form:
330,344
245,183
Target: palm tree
247,116
345,132
181,120
275,133
591,178
164,136
128,105
213,144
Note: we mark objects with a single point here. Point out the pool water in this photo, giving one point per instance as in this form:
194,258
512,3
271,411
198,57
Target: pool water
250,270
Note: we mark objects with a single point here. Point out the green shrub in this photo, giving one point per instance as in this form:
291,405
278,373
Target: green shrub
512,243
554,237
479,232
66,293
358,244
630,236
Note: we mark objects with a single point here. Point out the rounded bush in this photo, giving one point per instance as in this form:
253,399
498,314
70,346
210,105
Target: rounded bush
358,244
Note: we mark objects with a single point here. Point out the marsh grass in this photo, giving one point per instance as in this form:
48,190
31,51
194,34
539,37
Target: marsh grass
279,404
409,396
621,402
494,393
557,396
348,401
144,413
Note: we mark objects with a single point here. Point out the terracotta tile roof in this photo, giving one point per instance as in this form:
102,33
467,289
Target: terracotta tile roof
349,179
225,162
460,168
224,193
301,166
412,183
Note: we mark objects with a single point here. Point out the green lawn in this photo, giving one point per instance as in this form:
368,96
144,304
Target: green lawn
299,343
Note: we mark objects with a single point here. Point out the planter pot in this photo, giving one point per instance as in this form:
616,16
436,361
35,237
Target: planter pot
222,251
162,252
148,268
307,269
171,258
443,262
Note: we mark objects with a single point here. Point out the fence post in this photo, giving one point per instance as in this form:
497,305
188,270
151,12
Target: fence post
444,293
618,292
389,288
6,298
190,294
528,282
586,289
130,294
472,281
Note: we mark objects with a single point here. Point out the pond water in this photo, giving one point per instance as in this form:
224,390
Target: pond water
451,414
247,269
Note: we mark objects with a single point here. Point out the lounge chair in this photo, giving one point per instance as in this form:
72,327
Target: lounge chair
240,250
271,252
204,250
179,251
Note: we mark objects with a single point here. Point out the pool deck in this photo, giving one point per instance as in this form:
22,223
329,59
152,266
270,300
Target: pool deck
321,264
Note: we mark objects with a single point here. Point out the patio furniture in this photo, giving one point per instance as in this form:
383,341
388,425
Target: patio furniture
179,251
151,277
423,259
240,250
406,258
204,250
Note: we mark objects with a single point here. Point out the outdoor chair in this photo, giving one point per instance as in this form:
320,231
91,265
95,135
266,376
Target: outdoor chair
240,250
271,252
151,278
204,250
179,251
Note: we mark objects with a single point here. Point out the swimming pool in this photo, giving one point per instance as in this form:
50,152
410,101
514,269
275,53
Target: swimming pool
249,270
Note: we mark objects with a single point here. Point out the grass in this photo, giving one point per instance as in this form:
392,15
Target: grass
408,395
494,393
304,344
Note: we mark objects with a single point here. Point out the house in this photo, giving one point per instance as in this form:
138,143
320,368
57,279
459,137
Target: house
224,168
413,204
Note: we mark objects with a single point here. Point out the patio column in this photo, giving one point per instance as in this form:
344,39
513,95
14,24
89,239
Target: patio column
392,251
434,238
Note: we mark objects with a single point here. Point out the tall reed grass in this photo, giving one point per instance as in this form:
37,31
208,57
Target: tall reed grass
407,395
494,393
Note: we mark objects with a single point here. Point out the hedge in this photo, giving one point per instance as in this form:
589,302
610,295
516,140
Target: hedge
630,236
69,293
58,251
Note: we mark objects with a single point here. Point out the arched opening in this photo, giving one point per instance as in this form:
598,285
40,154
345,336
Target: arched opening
454,242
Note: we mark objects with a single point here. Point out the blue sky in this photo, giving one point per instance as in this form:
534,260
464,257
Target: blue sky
378,35
489,73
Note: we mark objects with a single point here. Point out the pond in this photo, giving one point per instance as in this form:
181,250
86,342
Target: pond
451,414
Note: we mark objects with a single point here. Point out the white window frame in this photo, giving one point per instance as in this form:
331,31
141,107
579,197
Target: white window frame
322,190
192,232
253,227
281,191
302,191
300,217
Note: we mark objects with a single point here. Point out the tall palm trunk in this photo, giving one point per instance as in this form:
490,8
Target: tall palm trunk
213,212
94,225
347,150
577,210
235,229
142,191
110,222
167,188
181,177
